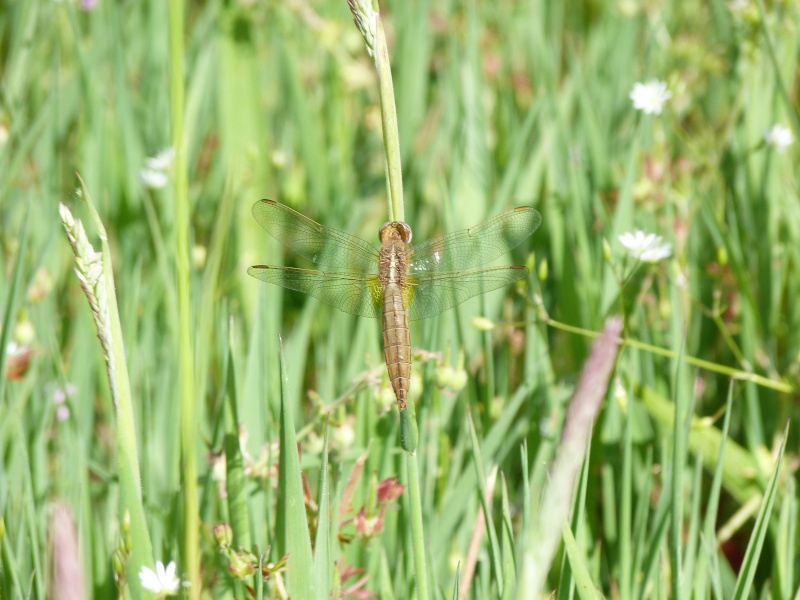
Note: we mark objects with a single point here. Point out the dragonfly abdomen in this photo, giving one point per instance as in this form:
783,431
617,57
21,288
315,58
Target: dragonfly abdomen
397,342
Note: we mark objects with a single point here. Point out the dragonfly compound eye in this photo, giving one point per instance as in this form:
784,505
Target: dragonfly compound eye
402,229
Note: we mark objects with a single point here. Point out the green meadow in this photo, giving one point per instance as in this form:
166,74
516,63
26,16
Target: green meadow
170,425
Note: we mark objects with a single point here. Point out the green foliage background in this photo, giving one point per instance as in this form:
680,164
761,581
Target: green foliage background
499,104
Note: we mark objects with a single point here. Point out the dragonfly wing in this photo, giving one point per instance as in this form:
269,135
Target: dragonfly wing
319,244
427,296
477,245
354,293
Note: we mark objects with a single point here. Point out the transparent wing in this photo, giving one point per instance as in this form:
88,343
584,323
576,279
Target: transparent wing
354,293
477,245
427,296
319,244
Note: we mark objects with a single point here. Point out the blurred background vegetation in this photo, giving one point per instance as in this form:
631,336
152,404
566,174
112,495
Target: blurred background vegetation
499,104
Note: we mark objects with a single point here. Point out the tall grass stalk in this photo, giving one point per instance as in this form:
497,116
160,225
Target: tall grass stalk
97,280
189,405
369,23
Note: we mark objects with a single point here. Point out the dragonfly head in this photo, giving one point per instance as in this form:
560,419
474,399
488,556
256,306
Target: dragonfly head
395,230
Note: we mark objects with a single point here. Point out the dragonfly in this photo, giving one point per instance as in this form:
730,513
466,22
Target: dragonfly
398,281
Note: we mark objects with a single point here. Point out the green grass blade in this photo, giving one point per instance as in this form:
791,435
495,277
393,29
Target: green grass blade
494,545
709,563
625,511
9,561
11,300
586,588
683,416
235,484
706,441
787,548
692,533
293,537
509,558
566,583
752,555
323,557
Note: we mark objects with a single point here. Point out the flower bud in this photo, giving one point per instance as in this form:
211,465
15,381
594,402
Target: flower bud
444,376
722,256
343,437
459,380
199,254
385,399
483,324
241,564
531,262
223,534
606,250
24,332
542,273
118,563
620,395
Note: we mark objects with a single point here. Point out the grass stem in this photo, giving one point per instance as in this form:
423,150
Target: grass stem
189,409
417,536
738,374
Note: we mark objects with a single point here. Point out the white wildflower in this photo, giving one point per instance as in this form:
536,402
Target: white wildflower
13,349
650,97
153,179
155,172
779,137
161,161
162,581
647,247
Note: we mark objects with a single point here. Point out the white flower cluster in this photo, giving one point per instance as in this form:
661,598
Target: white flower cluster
650,97
647,247
779,137
163,581
155,173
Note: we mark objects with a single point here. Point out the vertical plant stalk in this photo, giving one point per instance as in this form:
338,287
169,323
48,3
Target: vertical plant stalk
409,436
189,412
368,21
97,280
391,137
543,535
417,531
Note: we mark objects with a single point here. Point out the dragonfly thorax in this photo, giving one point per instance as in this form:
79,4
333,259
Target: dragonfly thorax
396,230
